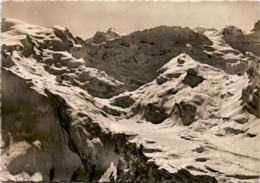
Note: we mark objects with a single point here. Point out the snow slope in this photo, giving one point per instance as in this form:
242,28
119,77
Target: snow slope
221,127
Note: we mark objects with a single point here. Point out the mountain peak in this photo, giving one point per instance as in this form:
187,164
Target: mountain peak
109,35
112,30
257,26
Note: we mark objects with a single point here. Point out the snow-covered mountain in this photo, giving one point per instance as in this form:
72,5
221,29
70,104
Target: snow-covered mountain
168,104
101,37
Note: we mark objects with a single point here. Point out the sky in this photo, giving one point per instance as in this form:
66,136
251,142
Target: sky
84,18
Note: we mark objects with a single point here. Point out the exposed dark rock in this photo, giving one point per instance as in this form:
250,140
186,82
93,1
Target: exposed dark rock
257,26
242,120
6,25
173,75
51,174
251,135
186,112
111,111
67,39
209,48
251,94
180,61
189,167
192,79
161,79
136,109
7,60
233,131
28,47
142,171
23,121
201,159
151,150
172,91
212,170
154,114
75,175
123,101
101,89
200,149
243,177
243,42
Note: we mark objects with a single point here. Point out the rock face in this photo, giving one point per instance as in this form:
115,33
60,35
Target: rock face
241,41
154,113
257,26
30,146
251,94
151,106
186,112
123,101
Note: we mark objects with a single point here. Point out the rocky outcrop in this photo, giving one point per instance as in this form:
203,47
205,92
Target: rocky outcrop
192,78
186,112
251,94
66,37
154,113
123,101
237,39
141,170
69,70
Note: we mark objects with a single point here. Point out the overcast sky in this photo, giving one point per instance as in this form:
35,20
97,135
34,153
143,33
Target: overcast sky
85,18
